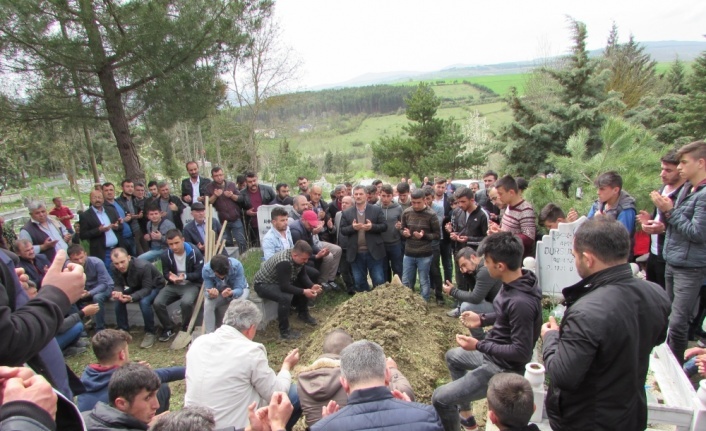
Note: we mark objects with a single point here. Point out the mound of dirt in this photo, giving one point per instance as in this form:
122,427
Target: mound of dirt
402,323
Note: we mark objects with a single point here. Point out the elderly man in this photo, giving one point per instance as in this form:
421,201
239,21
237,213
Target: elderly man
365,377
282,279
195,230
135,280
226,199
101,226
35,265
320,382
229,387
328,255
99,284
224,280
46,236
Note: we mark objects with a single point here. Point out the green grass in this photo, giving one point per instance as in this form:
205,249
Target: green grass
500,84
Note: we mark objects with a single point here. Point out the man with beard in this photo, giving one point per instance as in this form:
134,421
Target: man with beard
193,188
225,198
101,226
254,196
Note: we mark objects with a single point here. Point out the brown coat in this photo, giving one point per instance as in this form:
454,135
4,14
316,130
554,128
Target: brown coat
319,383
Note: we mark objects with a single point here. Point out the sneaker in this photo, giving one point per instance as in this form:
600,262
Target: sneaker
311,303
306,318
289,335
468,424
73,351
148,341
166,335
326,287
334,286
454,313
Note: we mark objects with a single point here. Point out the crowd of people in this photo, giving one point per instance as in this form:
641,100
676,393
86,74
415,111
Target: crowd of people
467,243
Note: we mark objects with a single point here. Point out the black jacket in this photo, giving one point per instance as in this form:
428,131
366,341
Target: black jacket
373,237
375,408
106,418
194,264
90,224
188,190
139,280
597,362
25,416
517,322
267,194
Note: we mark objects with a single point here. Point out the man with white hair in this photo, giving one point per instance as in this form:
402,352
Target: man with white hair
229,387
371,405
46,236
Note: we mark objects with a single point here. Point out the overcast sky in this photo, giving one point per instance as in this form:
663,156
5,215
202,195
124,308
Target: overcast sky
341,39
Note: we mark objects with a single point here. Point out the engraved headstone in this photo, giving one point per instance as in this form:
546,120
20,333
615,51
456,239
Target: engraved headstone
555,266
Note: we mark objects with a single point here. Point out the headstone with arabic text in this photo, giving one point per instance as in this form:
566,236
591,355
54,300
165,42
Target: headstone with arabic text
264,218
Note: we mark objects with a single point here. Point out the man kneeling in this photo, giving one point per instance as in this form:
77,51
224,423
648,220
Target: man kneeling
371,405
320,382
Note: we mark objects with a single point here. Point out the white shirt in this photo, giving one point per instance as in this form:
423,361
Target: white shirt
181,265
227,372
654,238
195,192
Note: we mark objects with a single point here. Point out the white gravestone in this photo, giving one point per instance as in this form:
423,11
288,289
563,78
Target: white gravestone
264,218
555,266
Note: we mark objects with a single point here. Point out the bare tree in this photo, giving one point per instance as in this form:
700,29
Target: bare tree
264,68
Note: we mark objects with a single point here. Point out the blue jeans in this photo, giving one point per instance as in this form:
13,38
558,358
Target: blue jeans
483,307
393,260
683,287
363,263
151,256
235,231
297,412
99,299
412,265
145,307
470,374
65,339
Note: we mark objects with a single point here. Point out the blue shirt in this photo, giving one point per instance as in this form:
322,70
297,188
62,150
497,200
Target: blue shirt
273,242
235,279
110,239
127,232
97,278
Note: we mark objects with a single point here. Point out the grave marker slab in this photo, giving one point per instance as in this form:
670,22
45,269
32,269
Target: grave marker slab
555,266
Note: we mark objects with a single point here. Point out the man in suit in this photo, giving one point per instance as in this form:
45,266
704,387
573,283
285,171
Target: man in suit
362,225
193,189
102,228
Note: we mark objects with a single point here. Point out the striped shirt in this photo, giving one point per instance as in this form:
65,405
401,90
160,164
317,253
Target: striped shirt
520,220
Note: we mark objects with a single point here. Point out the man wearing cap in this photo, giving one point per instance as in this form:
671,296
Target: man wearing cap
325,254
195,230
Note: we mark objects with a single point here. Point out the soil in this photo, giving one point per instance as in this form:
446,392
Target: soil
414,334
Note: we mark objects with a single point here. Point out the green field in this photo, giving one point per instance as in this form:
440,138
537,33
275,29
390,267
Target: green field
500,84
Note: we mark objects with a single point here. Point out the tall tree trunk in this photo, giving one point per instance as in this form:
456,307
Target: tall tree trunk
202,150
111,96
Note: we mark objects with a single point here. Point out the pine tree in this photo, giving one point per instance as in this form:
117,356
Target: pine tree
693,106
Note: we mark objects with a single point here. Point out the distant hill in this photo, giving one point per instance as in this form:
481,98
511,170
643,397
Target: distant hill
661,51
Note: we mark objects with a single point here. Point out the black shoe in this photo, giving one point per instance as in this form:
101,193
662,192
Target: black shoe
351,292
326,287
306,318
334,286
289,335
440,302
166,335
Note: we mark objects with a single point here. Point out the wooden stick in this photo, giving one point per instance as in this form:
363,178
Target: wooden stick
219,245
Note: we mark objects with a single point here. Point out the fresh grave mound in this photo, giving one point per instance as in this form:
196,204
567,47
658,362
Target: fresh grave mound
400,321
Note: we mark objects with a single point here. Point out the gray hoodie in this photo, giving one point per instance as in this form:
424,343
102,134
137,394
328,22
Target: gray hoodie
392,214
